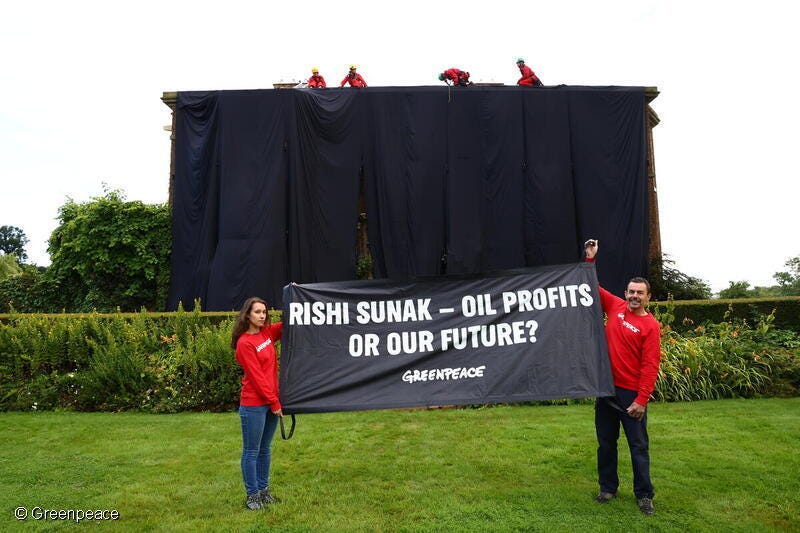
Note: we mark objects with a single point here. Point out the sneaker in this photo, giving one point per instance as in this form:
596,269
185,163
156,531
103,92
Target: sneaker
253,501
646,505
266,497
605,497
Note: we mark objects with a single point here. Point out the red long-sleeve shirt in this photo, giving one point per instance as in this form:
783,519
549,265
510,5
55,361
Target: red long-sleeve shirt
257,356
456,75
354,81
452,74
316,81
528,77
634,346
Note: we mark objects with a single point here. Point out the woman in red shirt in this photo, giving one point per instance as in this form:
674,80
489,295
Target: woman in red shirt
259,406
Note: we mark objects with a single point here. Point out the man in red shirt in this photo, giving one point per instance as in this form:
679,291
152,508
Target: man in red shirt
456,76
528,79
353,78
316,81
634,348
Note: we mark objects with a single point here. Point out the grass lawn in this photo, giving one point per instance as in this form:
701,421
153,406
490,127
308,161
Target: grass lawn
731,465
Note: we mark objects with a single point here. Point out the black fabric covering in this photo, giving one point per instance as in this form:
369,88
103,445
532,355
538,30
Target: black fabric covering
607,129
250,256
406,175
549,209
327,146
195,201
485,187
456,180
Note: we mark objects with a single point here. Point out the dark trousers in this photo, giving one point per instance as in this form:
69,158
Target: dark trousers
606,422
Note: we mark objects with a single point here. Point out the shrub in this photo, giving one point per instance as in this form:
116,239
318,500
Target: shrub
197,372
115,377
726,359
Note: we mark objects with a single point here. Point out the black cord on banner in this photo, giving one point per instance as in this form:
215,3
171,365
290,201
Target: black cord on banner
291,429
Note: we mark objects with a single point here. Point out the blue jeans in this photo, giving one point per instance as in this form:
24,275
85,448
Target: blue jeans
258,428
607,420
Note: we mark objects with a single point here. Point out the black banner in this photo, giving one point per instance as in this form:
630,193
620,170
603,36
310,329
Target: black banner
532,334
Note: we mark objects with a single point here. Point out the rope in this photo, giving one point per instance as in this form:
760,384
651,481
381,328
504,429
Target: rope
291,429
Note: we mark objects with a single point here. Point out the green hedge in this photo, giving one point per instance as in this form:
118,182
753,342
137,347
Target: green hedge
168,362
691,313
157,362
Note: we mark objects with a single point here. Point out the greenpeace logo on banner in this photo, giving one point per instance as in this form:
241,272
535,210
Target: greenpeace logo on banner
416,310
527,335
442,374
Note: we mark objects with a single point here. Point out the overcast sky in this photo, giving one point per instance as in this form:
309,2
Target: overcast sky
80,88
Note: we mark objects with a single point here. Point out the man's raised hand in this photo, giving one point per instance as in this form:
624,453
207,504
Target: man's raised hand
591,246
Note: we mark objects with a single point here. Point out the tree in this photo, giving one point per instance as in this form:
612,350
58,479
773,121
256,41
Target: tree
742,289
789,281
8,266
736,289
13,241
788,284
666,280
109,253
